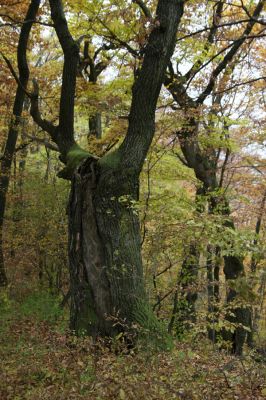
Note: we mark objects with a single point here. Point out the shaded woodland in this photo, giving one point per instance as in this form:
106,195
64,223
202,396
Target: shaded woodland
132,199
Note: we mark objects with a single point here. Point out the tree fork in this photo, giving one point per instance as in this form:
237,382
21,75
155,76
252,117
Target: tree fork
104,233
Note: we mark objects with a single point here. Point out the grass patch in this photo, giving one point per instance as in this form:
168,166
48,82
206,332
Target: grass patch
42,306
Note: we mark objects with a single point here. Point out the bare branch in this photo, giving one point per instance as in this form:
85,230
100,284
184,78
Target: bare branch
47,126
240,84
231,53
45,142
216,18
262,22
17,22
13,72
121,42
232,23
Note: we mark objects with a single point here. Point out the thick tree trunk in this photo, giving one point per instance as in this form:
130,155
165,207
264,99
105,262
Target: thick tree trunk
205,170
95,125
106,272
254,314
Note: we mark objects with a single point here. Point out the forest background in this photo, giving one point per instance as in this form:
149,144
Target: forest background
200,201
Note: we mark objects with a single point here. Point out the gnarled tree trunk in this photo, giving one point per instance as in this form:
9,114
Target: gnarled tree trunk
104,247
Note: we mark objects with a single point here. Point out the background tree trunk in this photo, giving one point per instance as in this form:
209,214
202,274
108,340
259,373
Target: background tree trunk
95,125
10,146
213,270
233,270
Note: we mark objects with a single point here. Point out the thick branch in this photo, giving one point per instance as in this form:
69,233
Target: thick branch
45,125
145,92
65,135
175,84
124,44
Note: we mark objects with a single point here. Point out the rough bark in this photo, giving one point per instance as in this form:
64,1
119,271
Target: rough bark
104,246
108,293
10,147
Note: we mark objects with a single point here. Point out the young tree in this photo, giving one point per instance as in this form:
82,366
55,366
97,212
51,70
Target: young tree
10,145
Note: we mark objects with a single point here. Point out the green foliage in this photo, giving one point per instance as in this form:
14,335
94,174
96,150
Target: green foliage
244,289
37,229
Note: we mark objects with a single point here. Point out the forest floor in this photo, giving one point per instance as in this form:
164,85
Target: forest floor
39,360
